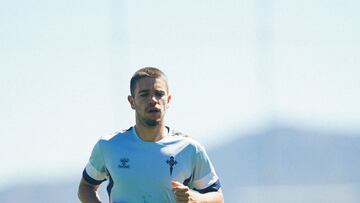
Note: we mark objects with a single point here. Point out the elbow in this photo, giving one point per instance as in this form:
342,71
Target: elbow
80,194
221,196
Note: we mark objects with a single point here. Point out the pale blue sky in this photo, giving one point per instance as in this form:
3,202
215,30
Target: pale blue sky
233,65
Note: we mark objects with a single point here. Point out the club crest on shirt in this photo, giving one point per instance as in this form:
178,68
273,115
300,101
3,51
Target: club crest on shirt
124,163
171,162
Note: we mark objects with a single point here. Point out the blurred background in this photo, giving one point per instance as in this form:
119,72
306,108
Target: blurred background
271,88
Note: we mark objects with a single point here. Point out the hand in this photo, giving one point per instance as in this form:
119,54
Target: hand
183,194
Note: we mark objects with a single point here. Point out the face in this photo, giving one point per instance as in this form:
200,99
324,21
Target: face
150,101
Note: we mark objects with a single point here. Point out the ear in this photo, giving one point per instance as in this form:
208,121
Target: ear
131,102
168,101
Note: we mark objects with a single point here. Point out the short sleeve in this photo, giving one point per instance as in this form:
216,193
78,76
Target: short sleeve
204,176
95,170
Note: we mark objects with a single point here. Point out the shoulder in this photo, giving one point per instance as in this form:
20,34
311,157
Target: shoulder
174,132
184,137
115,135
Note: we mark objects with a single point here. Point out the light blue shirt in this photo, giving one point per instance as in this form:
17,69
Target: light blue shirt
140,171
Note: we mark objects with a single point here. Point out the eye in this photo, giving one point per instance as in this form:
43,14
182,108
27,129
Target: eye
159,94
144,94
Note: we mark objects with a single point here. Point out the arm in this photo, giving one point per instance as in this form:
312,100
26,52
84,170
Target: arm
88,192
185,194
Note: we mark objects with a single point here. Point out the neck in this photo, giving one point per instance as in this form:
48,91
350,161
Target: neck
151,134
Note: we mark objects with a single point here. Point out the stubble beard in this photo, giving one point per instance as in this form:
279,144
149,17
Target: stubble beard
151,123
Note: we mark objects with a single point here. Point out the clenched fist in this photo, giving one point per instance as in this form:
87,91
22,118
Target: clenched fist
184,194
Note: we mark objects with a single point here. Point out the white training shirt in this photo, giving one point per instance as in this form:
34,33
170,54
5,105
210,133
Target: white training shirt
140,171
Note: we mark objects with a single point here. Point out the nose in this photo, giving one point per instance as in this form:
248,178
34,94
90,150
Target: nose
153,99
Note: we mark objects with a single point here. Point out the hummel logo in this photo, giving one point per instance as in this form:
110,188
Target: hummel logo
124,163
172,162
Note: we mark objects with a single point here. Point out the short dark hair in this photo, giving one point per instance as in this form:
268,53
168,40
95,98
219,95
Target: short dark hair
146,72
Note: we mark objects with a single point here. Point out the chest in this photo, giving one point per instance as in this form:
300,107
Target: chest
150,165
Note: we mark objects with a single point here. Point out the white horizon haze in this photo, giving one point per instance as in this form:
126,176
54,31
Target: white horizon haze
65,68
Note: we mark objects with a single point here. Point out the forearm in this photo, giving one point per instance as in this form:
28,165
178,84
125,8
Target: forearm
88,193
211,197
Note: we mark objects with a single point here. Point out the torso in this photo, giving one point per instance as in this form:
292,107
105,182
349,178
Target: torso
143,171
